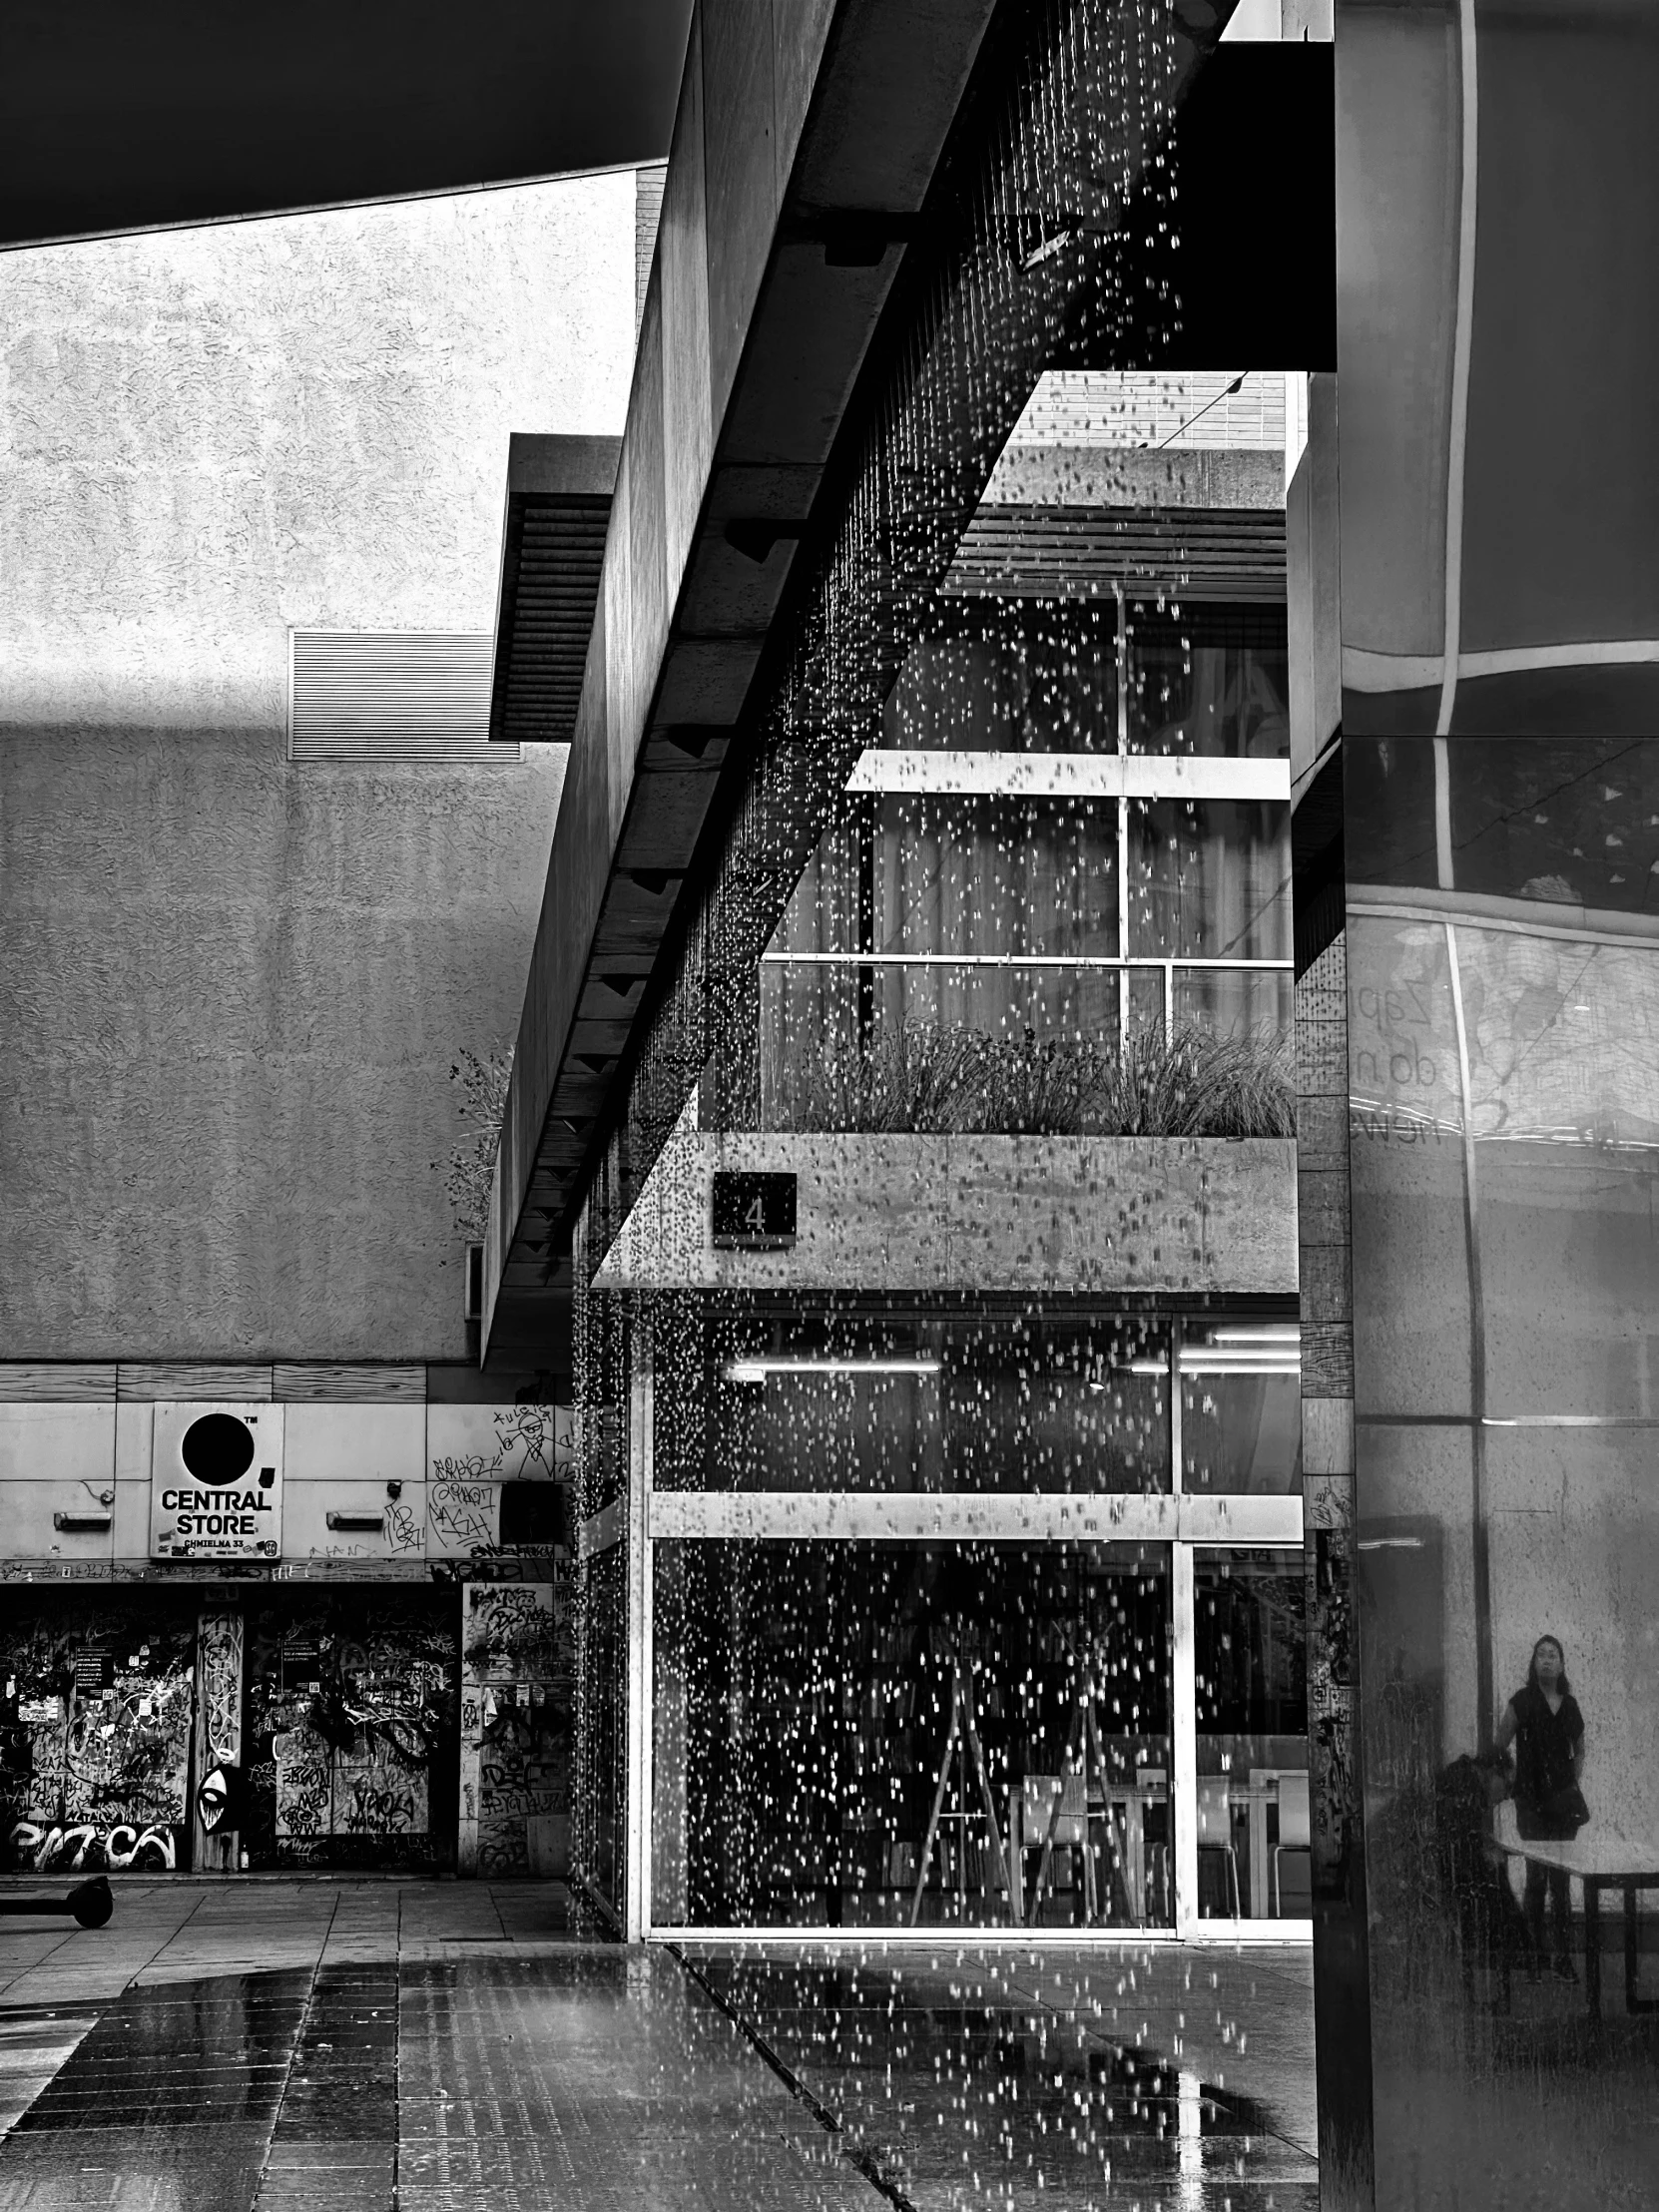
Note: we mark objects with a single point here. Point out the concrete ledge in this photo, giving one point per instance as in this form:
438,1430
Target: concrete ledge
965,1518
1187,1216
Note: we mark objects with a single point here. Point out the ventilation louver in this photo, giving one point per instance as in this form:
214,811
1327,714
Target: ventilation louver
391,696
552,560
1191,554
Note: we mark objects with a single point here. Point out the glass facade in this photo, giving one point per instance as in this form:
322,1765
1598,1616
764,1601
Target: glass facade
867,1395
905,1734
983,1738
1504,1085
1051,905
1006,901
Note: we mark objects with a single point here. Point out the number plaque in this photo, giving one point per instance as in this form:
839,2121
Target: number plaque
752,1212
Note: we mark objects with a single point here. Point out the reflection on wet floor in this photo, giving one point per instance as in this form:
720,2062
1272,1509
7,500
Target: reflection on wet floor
561,2070
168,2099
433,2048
1083,2079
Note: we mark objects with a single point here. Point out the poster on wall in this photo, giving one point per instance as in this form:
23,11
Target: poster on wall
517,1710
216,1483
350,1731
95,1729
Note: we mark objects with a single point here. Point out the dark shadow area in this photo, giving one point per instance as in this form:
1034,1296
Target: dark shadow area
114,120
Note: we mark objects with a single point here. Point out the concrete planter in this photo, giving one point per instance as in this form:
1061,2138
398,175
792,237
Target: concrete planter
1187,1216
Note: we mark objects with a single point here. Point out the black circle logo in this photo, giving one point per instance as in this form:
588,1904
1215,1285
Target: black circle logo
217,1449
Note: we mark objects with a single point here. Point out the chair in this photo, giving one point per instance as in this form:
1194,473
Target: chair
1038,1793
1215,1830
1296,1826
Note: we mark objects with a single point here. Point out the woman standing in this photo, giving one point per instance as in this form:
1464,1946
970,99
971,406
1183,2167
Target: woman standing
1545,1723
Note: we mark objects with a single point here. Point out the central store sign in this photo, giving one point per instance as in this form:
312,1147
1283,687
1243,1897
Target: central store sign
216,1483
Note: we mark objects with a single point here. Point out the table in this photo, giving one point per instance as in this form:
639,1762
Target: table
1600,1863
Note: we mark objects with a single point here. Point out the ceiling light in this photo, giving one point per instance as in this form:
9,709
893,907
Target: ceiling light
1284,1333
756,1369
1240,1367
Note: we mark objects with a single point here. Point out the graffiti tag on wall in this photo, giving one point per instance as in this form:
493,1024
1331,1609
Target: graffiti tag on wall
219,1668
70,1850
93,1766
510,1630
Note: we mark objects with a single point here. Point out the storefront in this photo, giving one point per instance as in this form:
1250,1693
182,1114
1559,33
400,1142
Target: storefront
953,1614
243,1634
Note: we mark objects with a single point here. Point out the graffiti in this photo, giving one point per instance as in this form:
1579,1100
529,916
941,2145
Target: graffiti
379,1798
513,1788
404,1531
510,1628
123,1751
54,1571
504,1854
464,1513
521,1443
529,1429
304,1782
219,1647
103,1750
88,1846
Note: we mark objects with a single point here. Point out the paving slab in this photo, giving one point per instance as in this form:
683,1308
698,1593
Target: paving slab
225,2047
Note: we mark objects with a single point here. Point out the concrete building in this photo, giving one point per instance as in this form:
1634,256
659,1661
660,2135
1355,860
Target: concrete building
1063,1108
902,1121
269,896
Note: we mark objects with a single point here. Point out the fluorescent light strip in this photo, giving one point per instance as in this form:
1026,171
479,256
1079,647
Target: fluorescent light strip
1197,1361
757,1369
1239,1368
1288,1332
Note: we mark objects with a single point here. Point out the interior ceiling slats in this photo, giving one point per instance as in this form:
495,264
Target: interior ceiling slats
1078,553
390,696
552,562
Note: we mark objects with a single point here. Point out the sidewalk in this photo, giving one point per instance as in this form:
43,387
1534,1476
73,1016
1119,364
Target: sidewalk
278,2046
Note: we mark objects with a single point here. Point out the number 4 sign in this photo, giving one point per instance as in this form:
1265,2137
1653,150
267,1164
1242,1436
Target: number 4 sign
752,1212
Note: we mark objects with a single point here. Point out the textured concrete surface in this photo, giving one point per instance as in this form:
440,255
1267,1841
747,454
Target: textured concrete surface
234,989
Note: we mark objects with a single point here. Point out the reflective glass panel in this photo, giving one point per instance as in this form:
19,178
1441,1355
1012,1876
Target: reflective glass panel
1010,677
1210,880
1241,1408
957,1402
1503,1053
875,1735
1252,1811
1211,680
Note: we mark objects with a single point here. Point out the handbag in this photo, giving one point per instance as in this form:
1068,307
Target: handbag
1566,1809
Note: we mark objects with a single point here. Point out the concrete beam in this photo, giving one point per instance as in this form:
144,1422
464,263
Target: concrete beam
1188,1217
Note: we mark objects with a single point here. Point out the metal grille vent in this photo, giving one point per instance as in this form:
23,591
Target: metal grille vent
552,564
1033,553
390,696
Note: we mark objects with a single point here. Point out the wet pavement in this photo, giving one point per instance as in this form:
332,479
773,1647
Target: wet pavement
264,2047
1089,2078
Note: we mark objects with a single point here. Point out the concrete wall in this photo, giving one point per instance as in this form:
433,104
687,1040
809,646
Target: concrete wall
232,989
448,1462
